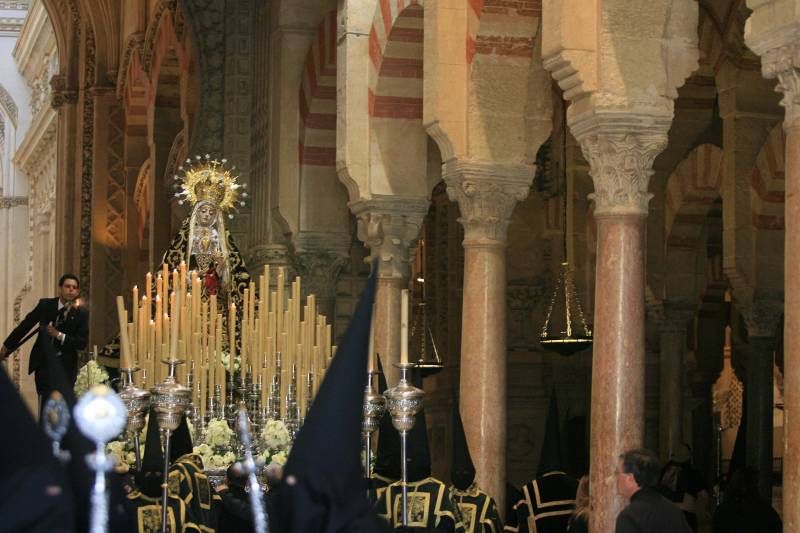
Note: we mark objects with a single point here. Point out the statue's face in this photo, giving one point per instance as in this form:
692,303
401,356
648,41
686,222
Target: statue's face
206,214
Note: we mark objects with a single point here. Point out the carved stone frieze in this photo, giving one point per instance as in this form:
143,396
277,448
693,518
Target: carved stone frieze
9,105
135,42
60,93
620,149
7,202
206,18
389,226
87,168
487,195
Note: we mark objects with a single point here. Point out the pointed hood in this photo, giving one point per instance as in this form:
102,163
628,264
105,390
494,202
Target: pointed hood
34,492
149,478
419,457
387,460
153,459
551,458
462,472
180,441
323,488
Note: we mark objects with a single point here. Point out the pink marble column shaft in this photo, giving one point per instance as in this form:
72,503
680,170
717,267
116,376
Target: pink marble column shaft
791,333
483,363
618,359
387,325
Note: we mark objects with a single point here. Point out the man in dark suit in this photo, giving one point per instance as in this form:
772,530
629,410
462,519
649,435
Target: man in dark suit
62,322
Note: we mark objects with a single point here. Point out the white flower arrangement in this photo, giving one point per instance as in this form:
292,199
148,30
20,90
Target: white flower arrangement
89,375
276,442
225,359
123,454
216,450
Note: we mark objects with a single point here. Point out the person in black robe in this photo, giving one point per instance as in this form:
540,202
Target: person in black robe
144,502
188,481
547,501
35,495
387,459
323,488
478,510
430,506
743,509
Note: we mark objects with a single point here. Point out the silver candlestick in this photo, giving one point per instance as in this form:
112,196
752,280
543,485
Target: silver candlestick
170,401
404,401
56,423
100,415
374,408
137,402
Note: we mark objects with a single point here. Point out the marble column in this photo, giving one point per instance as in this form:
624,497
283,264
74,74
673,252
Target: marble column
389,226
620,150
671,381
318,258
486,196
772,34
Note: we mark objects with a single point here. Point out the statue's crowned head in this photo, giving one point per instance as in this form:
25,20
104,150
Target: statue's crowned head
207,180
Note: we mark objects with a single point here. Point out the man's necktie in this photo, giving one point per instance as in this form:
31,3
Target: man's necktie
62,314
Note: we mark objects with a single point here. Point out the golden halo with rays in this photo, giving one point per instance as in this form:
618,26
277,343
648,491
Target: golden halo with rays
207,179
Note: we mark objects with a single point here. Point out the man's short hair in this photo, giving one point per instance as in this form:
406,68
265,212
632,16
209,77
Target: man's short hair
65,277
644,466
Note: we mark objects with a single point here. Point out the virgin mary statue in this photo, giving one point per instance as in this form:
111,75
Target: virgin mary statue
203,242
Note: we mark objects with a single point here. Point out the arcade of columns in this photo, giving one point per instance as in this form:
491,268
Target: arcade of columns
346,120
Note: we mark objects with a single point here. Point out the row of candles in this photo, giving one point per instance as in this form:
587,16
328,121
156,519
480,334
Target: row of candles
278,334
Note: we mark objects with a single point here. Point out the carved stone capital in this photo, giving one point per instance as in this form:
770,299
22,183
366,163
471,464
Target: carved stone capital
487,195
762,317
389,226
60,93
620,149
318,258
783,62
270,254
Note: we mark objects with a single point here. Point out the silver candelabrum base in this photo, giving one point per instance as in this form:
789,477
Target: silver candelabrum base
404,401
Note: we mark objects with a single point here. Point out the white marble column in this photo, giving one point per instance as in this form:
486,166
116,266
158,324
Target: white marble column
620,149
389,226
486,195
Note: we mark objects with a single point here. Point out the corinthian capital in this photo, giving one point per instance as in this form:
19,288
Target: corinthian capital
783,62
389,226
486,194
620,150
318,258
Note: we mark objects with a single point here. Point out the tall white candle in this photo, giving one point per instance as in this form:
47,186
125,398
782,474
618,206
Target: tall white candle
404,326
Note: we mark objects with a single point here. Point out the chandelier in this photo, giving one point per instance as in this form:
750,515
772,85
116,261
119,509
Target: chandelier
565,329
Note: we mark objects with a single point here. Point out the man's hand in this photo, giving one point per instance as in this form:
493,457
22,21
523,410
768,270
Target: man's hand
52,331
220,487
3,352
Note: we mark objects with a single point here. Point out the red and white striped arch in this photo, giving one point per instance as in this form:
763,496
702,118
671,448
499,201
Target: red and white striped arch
503,28
767,184
691,191
396,56
317,142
